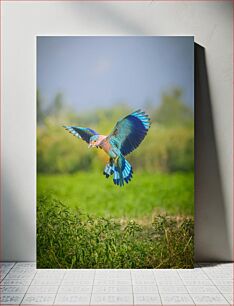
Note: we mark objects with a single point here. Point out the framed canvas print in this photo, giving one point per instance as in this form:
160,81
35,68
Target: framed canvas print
115,152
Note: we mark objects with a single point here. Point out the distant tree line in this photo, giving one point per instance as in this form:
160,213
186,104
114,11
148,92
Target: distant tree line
168,147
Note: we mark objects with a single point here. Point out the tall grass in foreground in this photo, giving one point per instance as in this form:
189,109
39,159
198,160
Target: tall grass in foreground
69,239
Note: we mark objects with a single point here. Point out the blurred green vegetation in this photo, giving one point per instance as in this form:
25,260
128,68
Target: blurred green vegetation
168,147
146,196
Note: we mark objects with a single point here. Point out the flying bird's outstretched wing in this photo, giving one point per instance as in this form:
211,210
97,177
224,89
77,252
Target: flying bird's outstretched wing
81,132
130,131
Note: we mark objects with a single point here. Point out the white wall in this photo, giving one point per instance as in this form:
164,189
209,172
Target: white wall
211,24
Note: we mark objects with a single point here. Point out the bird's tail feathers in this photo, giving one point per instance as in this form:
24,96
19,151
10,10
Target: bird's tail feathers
109,169
121,170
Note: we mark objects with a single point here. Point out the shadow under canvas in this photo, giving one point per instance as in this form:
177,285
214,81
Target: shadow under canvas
210,218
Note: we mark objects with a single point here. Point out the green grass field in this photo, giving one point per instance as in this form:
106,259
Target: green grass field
145,196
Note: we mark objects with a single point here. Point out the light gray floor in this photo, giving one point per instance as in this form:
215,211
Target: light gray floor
22,283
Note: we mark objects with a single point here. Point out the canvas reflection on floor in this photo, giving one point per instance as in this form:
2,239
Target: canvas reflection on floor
115,152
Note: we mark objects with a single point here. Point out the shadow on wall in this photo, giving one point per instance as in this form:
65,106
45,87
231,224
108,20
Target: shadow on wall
18,228
211,232
107,13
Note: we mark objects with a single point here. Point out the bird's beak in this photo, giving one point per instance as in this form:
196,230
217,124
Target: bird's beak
89,146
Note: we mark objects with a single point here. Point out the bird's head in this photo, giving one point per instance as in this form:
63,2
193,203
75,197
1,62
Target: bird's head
93,142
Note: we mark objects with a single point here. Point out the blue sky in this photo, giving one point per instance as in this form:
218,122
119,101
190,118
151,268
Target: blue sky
99,71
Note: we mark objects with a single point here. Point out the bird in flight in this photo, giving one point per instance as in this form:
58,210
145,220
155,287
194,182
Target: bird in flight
126,136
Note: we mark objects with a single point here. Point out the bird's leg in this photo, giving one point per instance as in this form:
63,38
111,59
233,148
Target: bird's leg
117,154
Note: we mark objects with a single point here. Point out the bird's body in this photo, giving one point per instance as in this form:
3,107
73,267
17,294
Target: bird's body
126,136
105,144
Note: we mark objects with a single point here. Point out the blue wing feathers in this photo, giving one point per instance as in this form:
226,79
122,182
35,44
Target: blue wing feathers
130,131
81,132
